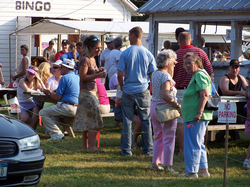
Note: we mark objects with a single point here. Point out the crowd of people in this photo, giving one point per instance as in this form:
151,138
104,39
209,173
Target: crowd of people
181,76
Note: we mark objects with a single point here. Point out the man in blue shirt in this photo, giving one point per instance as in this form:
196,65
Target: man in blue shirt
138,64
67,97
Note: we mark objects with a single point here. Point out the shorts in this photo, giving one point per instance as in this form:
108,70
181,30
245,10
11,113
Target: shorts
179,96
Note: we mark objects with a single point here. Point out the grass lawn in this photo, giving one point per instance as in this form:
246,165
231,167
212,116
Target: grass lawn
68,165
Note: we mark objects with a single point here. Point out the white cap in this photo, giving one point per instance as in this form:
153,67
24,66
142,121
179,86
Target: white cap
58,62
109,39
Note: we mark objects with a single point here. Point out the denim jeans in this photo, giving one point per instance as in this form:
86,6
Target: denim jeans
195,154
142,101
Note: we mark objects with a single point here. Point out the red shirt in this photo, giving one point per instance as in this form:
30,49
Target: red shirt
58,55
181,77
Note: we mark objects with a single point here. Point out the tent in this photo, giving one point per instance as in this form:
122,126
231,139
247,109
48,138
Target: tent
50,26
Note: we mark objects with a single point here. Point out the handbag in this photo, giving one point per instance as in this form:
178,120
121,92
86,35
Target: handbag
213,101
164,111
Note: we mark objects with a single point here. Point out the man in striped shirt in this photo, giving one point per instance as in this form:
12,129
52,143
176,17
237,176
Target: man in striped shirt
182,78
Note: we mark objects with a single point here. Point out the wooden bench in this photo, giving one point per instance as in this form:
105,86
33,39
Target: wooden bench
111,114
69,123
212,129
70,120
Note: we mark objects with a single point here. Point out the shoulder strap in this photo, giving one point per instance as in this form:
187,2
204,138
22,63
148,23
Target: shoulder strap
227,76
239,84
210,82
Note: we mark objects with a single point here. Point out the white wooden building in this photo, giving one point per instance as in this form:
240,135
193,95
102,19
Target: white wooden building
15,15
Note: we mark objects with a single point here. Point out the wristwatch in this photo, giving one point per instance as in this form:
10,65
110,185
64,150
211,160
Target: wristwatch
49,94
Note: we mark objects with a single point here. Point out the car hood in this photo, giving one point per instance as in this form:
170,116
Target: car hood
12,128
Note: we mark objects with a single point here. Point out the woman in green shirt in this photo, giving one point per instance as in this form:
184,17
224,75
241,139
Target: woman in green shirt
195,117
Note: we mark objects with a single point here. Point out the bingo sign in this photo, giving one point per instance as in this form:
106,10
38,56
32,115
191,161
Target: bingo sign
227,113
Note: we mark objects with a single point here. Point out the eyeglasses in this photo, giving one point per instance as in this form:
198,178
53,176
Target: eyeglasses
188,63
95,39
55,67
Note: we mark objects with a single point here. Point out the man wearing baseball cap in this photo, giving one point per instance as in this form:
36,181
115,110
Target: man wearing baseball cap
49,50
105,53
104,57
65,47
232,84
67,97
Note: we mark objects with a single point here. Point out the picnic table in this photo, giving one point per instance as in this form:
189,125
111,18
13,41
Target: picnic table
41,97
11,91
213,126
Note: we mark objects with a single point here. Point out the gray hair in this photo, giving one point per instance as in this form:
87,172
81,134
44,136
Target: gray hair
165,57
117,42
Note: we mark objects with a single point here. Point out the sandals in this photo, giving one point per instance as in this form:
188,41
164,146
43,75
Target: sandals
156,168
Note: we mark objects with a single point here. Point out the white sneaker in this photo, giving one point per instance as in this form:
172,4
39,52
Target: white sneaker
246,163
57,137
171,170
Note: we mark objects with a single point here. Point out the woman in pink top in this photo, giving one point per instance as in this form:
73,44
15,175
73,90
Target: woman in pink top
103,98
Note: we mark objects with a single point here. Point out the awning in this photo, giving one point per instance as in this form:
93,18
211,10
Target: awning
49,26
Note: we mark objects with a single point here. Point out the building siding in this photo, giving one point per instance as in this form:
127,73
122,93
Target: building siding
12,19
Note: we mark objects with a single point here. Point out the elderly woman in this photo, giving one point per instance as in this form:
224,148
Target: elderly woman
24,64
88,116
195,117
163,91
30,83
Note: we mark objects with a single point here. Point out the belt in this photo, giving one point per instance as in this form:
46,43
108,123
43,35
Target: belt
181,88
70,103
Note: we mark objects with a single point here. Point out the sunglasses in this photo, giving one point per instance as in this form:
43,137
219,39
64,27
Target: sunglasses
55,67
95,39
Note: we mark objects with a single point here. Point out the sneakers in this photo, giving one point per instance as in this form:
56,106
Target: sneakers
204,174
190,175
246,164
156,168
57,137
171,170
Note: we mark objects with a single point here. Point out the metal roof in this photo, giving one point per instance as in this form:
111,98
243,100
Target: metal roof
179,6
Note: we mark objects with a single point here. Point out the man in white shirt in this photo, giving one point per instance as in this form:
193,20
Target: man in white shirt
114,57
105,52
104,57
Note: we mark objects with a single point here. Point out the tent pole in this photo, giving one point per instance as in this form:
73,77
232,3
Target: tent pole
79,35
59,40
10,55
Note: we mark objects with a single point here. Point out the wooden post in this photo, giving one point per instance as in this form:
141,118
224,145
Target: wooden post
225,159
